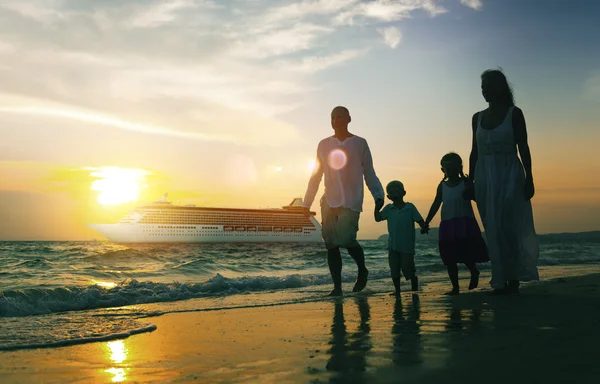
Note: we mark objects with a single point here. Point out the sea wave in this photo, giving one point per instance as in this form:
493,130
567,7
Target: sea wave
39,301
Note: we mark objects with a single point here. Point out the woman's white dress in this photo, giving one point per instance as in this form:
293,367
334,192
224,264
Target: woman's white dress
507,216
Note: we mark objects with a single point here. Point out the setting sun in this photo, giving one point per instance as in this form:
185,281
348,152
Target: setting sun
118,185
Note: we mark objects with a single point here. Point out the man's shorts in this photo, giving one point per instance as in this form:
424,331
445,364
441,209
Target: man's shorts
339,226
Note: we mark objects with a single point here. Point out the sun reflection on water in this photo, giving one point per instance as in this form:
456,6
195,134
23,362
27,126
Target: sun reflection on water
104,284
117,354
119,374
118,351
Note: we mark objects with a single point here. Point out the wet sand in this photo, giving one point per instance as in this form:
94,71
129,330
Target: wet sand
548,334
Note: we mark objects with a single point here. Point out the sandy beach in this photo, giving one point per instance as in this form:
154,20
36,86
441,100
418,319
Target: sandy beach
548,334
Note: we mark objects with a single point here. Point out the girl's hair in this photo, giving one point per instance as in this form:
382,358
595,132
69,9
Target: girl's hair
453,157
506,92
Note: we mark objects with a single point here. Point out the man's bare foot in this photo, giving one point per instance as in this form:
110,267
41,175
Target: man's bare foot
336,292
474,280
455,291
361,280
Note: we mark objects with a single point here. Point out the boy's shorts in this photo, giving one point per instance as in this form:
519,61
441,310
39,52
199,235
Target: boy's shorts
339,226
401,263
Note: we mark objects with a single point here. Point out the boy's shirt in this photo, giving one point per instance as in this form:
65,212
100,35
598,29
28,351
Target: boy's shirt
401,226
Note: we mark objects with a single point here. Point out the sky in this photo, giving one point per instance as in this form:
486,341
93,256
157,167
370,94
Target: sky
105,105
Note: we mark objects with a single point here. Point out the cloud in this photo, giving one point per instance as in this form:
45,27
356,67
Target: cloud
313,64
299,37
162,13
391,36
474,4
6,48
184,68
88,117
387,10
38,10
302,9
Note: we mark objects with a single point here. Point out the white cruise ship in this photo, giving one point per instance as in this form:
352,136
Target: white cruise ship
164,222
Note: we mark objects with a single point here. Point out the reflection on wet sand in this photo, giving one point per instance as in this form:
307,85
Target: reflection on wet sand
406,343
347,359
118,355
424,335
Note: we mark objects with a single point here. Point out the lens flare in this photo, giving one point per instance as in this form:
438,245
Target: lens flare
337,159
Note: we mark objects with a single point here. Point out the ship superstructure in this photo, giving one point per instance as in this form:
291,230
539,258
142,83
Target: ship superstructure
162,221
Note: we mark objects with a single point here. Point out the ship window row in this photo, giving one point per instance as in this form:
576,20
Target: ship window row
164,222
234,234
167,229
180,231
224,219
183,227
222,216
158,225
220,213
248,217
206,225
260,227
150,224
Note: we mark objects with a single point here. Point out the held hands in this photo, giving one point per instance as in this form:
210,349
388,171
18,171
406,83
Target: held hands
529,188
469,192
425,228
379,204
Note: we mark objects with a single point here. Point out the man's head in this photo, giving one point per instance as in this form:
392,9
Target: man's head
340,118
395,190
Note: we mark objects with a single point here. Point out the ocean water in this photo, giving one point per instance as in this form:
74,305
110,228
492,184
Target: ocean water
63,293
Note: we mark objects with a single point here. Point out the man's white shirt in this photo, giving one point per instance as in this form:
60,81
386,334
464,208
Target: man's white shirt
344,164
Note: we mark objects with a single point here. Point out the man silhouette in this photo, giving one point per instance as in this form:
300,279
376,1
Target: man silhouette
344,159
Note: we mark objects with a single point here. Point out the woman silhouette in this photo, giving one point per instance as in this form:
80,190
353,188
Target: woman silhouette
504,185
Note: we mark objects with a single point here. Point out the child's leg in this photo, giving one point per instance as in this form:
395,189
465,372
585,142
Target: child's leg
409,270
453,274
395,267
474,275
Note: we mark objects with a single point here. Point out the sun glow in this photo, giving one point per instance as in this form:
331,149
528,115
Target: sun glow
312,165
118,185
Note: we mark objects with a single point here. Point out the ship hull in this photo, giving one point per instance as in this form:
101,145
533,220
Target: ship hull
131,233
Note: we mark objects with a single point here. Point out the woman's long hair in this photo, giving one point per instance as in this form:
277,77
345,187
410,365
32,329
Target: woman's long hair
506,92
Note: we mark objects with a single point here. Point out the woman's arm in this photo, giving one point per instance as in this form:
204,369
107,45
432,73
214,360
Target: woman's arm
520,134
474,153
